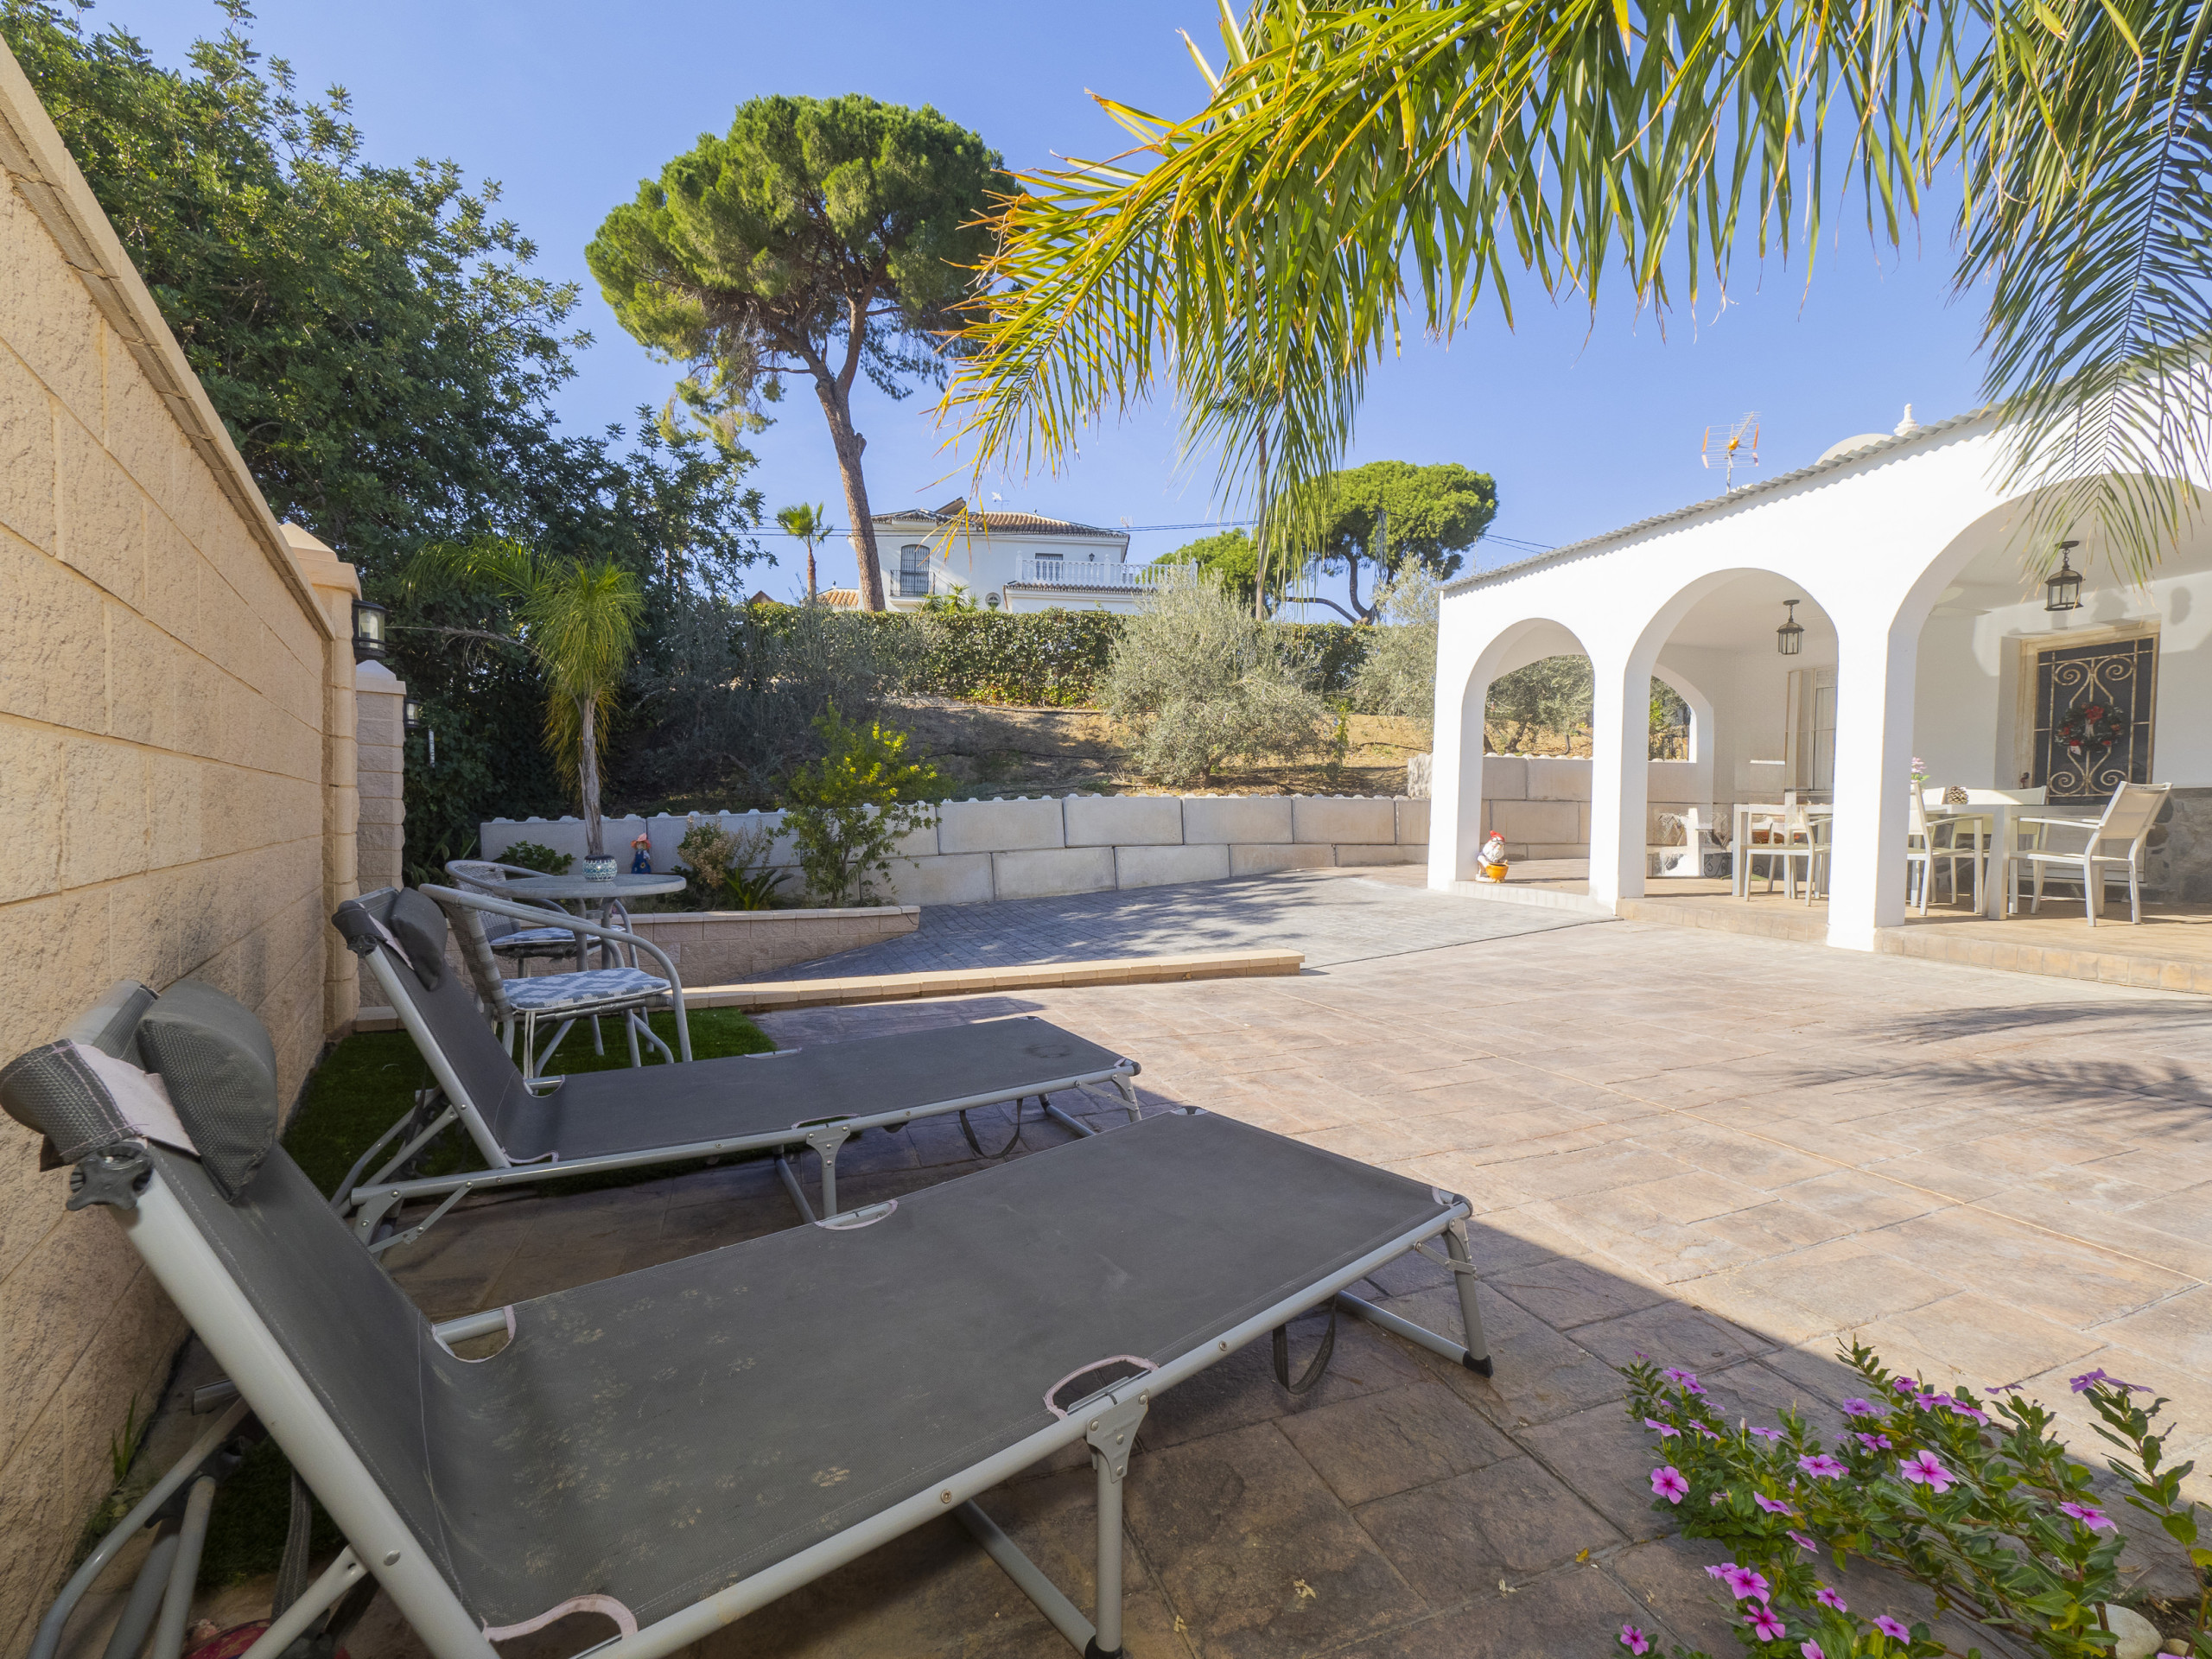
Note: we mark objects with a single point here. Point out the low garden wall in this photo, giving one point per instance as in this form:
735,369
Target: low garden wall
1033,848
1540,803
725,947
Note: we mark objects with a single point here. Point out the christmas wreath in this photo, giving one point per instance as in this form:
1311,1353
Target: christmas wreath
2091,725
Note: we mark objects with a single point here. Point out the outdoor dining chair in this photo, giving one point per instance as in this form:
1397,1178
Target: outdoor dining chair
1796,834
619,986
1930,841
673,1448
512,940
2126,823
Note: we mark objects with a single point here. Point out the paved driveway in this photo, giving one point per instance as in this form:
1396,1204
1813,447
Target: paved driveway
1725,1152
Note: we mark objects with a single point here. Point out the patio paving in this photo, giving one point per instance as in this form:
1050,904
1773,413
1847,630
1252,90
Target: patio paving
1724,1151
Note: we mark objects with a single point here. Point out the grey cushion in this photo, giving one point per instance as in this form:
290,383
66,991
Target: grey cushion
215,1058
420,927
51,1089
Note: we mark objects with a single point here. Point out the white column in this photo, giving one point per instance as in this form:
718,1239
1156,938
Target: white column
1620,778
1455,786
1873,772
379,696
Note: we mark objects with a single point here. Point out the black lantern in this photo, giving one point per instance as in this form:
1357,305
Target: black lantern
368,633
2064,590
1789,637
411,713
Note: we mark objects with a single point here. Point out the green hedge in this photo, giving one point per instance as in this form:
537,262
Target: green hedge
1056,658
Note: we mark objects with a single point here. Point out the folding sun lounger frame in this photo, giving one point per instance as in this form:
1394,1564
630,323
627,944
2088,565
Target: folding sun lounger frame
618,1437
451,1035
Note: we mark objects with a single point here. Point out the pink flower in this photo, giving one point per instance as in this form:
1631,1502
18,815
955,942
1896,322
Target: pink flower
1635,1640
1675,1373
1667,1481
1803,1542
1822,1466
1811,1650
2088,1380
1891,1629
1765,1434
1745,1585
1703,1430
1924,1401
2089,1515
1965,1410
1828,1598
1873,1442
1923,1468
1905,1385
1770,1505
1721,1571
1857,1407
1765,1626
1666,1431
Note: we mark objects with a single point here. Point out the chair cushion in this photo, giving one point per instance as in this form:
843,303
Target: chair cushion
560,936
420,927
600,985
215,1058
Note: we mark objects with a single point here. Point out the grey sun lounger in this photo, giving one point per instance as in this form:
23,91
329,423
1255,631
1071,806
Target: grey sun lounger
675,1447
817,1097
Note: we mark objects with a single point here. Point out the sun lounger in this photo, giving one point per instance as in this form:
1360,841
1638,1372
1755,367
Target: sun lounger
675,1447
817,1097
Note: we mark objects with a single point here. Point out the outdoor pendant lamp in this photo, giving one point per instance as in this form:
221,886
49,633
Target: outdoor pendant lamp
410,714
2064,589
1789,637
368,633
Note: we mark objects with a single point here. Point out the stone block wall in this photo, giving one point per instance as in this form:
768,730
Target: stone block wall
176,752
380,698
1540,803
977,851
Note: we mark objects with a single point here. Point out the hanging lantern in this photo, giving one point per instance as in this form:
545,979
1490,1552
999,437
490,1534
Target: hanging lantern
368,633
1789,637
2064,590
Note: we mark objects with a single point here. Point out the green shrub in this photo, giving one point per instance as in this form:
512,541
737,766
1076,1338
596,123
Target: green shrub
534,856
848,810
1054,657
1397,675
727,870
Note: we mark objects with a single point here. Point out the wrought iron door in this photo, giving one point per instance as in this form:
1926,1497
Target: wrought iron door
2093,705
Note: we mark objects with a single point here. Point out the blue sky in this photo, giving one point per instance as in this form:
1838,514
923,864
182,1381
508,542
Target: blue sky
1585,425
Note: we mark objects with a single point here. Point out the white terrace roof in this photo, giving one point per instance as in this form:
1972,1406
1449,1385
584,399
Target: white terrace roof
1736,498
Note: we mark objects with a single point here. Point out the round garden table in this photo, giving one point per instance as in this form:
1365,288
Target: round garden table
583,892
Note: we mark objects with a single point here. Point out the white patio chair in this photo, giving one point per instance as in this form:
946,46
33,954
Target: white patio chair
1796,834
1930,841
2127,821
511,940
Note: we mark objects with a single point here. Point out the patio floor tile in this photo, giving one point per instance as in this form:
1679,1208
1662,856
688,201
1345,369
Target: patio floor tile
1383,1444
1510,1521
1575,1613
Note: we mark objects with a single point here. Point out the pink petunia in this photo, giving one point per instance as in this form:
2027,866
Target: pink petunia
1822,1466
2088,1380
1667,1481
1765,1626
1873,1442
1675,1374
1891,1629
1721,1571
1924,1401
1666,1431
1765,1434
1828,1598
1635,1640
1772,1506
2089,1515
1905,1385
1811,1650
1923,1468
1745,1585
1857,1407
1965,1410
1803,1542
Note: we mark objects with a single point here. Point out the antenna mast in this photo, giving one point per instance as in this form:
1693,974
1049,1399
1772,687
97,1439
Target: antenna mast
1738,441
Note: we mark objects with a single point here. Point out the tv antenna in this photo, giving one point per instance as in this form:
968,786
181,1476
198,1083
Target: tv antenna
1737,441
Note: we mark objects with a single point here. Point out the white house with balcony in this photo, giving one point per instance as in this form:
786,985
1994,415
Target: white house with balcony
1020,562
1827,628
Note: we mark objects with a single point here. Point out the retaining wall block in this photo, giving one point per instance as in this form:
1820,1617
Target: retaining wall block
1547,821
958,879
1156,866
1045,874
1018,826
1124,821
1558,777
1412,822
1364,818
1267,857
1505,778
1232,819
1384,853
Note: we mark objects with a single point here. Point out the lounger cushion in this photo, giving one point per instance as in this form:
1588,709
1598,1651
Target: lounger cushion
420,927
597,985
216,1061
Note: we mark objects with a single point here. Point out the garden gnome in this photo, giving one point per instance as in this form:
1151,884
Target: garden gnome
641,861
1494,856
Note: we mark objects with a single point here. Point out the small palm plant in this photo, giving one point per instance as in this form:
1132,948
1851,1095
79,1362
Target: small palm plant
577,618
810,525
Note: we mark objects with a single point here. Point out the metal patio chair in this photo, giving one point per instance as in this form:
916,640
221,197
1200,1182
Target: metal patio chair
511,940
2126,822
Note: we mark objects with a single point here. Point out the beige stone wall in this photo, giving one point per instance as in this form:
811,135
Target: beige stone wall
176,745
380,698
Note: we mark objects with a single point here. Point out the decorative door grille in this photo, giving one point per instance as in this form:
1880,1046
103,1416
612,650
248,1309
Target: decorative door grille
2093,705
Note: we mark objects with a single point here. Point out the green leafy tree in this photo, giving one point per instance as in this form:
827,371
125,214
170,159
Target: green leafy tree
578,620
1351,166
1201,682
810,525
822,237
1392,515
848,808
1398,674
1230,559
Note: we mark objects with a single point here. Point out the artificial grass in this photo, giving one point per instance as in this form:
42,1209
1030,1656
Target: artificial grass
356,1094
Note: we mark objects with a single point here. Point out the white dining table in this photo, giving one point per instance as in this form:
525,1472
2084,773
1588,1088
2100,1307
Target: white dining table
1992,875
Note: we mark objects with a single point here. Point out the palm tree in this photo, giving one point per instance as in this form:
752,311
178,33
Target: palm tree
1353,163
578,619
810,525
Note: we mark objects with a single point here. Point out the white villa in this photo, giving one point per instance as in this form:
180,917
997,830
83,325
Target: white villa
1017,560
1923,637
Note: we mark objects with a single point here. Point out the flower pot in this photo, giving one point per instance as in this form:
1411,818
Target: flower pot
599,869
1493,871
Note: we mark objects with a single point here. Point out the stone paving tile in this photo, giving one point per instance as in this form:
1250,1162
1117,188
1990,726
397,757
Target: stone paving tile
1575,1613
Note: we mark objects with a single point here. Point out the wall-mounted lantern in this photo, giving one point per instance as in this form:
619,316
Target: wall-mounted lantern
1789,637
2063,591
411,713
368,633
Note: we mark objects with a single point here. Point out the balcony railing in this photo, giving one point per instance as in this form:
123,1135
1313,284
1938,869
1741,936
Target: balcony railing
1092,573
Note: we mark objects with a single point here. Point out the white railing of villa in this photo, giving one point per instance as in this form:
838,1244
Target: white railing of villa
1087,573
